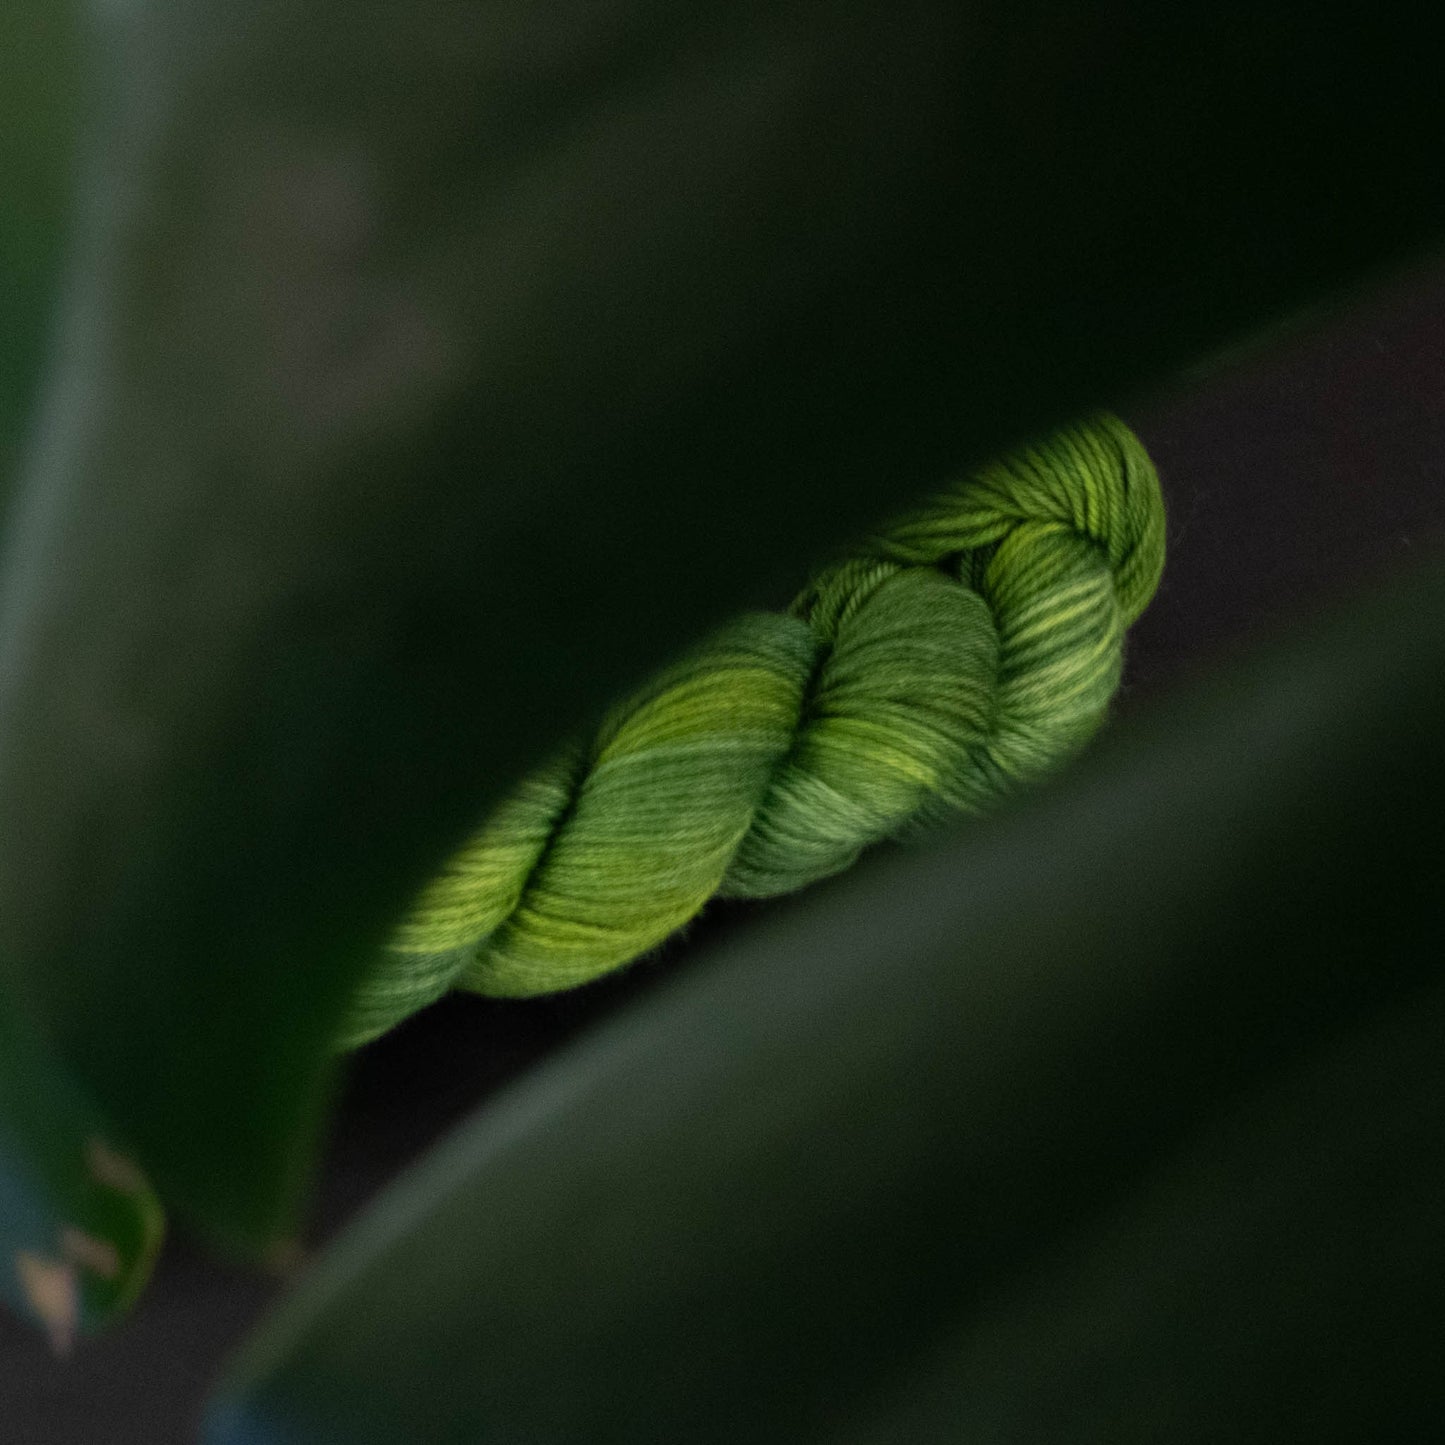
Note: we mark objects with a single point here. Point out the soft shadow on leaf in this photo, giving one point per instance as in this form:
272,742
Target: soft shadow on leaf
767,1198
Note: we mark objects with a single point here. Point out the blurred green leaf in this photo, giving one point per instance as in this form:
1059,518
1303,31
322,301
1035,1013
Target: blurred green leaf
39,118
79,1225
427,375
820,1189
1276,1278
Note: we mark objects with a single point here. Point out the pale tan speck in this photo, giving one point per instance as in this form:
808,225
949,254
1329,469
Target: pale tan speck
50,1288
85,1251
114,1170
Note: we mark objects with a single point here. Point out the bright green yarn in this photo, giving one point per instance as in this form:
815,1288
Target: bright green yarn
971,647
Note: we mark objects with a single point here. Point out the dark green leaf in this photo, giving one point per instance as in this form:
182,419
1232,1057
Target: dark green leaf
79,1226
806,1194
428,373
1277,1278
39,110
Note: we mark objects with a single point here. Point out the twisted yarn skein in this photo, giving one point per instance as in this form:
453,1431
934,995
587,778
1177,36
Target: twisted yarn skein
971,647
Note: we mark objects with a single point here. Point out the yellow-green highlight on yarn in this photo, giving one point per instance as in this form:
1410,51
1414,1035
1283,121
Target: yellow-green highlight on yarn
971,647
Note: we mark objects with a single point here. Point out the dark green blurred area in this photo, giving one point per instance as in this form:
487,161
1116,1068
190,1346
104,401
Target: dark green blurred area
40,96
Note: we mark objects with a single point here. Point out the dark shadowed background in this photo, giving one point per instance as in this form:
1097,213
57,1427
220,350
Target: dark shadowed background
1293,476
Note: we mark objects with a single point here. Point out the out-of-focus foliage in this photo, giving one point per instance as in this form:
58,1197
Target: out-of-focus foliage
79,1225
39,110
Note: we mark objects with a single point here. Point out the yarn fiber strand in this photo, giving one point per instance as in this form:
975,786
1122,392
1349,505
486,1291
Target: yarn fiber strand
973,646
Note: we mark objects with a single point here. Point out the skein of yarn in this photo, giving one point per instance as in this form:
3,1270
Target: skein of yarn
973,646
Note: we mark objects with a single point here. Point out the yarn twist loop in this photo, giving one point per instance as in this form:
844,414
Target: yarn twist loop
971,647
